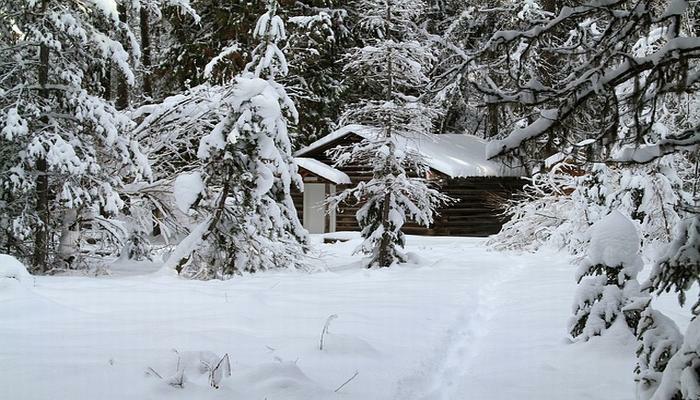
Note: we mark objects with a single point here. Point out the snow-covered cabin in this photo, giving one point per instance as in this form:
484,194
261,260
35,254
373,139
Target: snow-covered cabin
457,163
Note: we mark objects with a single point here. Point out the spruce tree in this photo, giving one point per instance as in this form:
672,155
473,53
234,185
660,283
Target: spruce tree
607,277
249,220
390,70
71,148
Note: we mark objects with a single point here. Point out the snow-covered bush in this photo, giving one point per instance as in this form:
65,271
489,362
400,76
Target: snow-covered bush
557,208
542,214
11,268
606,277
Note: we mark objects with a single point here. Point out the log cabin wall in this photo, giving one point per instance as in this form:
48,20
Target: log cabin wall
476,211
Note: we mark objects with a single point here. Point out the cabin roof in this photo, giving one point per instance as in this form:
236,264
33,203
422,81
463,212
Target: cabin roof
455,155
323,170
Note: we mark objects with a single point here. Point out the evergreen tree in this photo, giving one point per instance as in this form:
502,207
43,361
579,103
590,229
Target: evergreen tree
389,70
250,222
607,277
213,48
658,340
70,148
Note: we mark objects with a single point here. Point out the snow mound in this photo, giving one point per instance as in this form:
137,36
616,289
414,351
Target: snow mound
186,190
11,268
347,344
614,241
283,380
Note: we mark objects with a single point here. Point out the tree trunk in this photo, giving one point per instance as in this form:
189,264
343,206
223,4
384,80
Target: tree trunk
41,238
122,101
148,87
492,120
385,256
146,51
68,245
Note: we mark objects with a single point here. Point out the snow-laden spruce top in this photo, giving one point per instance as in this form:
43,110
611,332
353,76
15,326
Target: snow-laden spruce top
455,155
614,241
323,170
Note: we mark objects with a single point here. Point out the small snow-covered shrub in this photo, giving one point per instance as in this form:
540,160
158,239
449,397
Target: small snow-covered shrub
137,247
11,268
606,277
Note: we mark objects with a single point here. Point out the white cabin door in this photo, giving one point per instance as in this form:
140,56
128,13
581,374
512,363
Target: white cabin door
314,211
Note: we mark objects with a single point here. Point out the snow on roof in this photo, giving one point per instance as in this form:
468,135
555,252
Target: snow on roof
323,170
455,155
363,131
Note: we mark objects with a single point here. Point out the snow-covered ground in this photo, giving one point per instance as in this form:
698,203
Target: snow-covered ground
459,322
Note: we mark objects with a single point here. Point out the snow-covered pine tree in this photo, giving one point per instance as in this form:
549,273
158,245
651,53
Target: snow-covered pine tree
652,195
250,221
607,277
70,148
681,376
390,69
678,270
658,340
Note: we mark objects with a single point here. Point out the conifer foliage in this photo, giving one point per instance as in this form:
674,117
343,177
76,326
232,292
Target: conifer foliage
65,149
390,67
249,221
607,277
